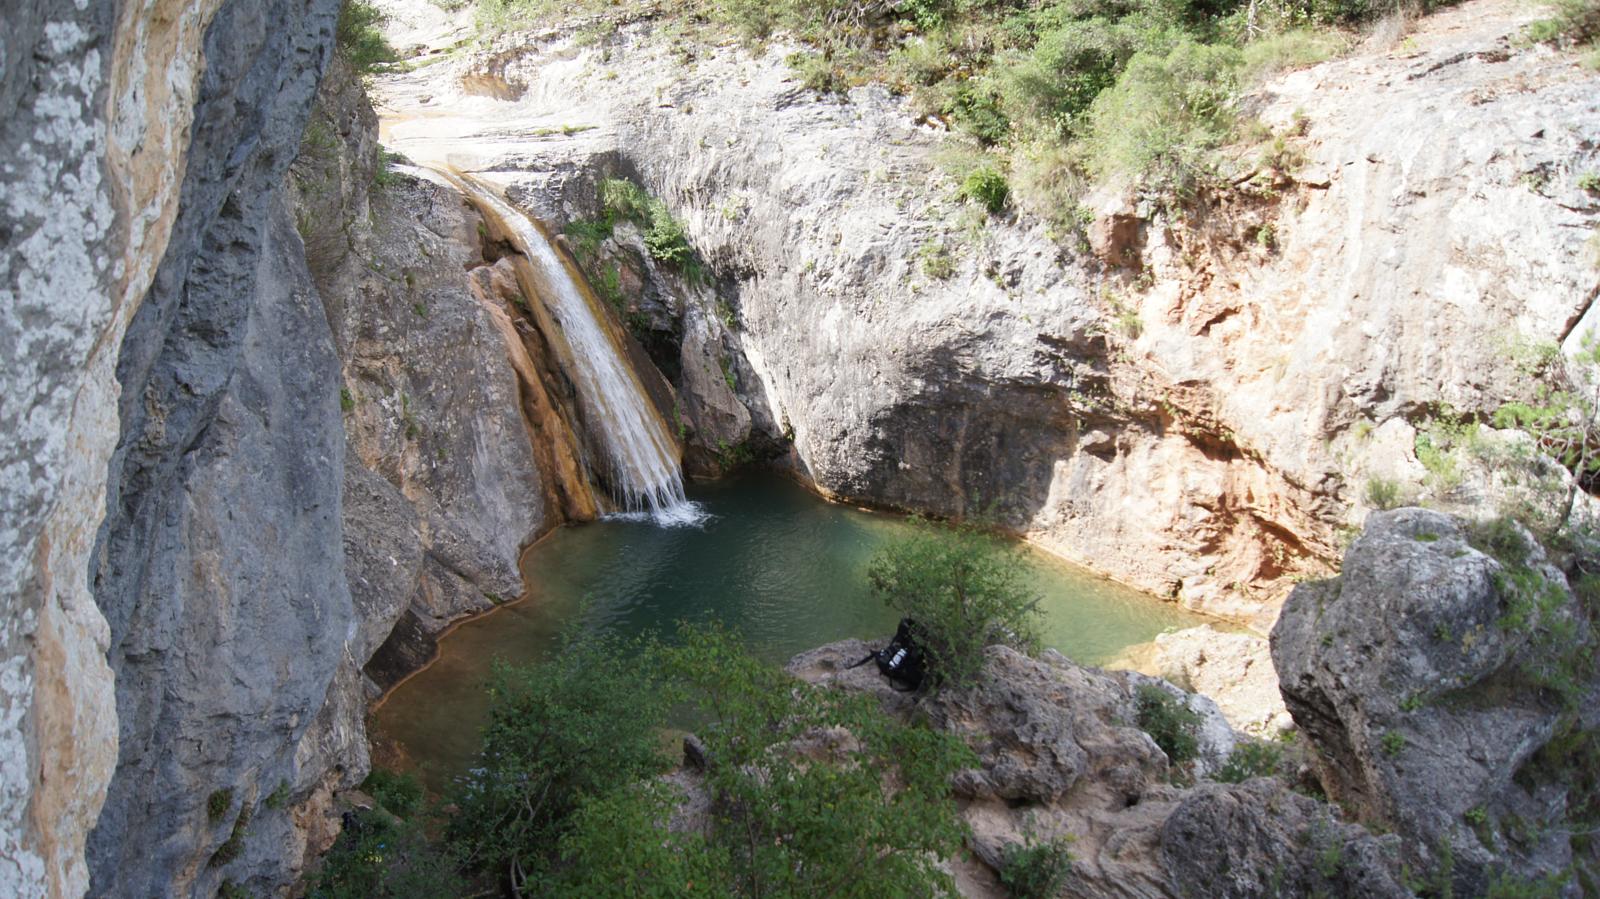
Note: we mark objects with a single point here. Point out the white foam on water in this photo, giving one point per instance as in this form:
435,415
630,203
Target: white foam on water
642,464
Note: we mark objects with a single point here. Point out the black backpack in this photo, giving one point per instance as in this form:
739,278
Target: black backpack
902,661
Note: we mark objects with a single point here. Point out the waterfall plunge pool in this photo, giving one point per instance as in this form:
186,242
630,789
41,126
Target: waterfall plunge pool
784,568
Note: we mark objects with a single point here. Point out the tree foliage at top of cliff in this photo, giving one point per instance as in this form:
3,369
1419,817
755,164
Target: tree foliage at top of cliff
359,36
1046,87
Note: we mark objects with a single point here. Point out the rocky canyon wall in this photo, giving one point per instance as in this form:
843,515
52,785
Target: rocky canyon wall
199,563
1179,401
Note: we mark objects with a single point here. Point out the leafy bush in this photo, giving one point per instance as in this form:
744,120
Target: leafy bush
936,261
800,809
581,724
1383,493
359,37
1250,759
1036,870
1563,415
1164,113
1174,726
400,793
664,236
1574,23
964,590
379,857
1293,49
218,803
986,187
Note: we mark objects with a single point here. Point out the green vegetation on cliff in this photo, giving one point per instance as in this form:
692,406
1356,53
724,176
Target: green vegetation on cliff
1057,95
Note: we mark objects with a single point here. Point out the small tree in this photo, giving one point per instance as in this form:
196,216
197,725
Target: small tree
582,724
964,591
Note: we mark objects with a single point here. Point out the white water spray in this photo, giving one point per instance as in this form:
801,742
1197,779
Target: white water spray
642,464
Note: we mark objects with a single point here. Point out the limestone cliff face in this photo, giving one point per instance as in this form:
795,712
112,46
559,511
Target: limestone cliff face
1191,408
219,566
97,104
444,475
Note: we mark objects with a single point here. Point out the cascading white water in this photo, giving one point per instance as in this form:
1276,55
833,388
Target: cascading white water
643,465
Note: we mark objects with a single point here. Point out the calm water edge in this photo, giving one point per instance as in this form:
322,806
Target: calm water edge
784,568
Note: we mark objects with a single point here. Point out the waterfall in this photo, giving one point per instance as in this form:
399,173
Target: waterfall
642,464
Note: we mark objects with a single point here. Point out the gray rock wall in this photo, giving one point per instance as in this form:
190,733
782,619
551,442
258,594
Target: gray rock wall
220,565
1444,690
58,242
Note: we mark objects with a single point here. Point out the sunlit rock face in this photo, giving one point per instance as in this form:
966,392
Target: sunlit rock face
97,103
1178,403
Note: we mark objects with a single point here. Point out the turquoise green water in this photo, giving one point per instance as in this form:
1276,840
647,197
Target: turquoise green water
785,569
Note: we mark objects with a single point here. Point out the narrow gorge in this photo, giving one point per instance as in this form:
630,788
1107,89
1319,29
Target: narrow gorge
337,338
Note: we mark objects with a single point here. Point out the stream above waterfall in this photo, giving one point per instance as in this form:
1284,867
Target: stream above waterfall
782,567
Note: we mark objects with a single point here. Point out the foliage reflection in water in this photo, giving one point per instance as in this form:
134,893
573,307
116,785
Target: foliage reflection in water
780,566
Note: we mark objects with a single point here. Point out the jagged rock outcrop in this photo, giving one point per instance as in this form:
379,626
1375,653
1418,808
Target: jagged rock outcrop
1060,754
1201,433
1447,692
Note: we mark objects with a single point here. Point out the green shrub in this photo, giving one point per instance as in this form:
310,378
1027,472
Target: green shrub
586,235
622,198
1250,759
1036,870
359,37
1172,724
817,72
1046,182
1164,114
987,187
784,824
234,844
218,803
936,260
1294,49
1562,416
1574,23
1383,493
964,590
380,857
1393,743
279,797
1053,85
664,236
581,724
400,793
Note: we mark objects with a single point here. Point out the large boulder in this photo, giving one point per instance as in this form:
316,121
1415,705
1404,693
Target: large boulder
1432,678
1060,754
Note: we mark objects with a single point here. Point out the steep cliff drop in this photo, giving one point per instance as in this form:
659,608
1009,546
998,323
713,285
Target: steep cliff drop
642,463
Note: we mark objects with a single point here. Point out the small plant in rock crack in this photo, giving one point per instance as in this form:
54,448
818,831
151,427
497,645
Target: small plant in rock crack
1172,724
1036,870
